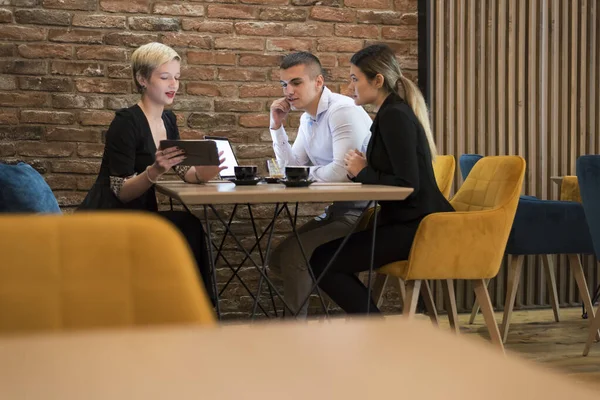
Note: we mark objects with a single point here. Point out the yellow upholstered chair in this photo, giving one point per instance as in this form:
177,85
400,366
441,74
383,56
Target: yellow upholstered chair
469,243
444,167
96,270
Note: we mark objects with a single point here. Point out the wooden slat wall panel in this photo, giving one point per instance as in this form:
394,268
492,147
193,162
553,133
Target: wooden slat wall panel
519,77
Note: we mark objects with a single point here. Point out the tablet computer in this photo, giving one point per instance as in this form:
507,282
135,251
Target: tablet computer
224,145
197,152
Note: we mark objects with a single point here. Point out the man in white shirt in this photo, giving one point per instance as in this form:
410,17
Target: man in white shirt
330,126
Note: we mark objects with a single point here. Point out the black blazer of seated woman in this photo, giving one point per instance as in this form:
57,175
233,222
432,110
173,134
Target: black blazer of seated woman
398,154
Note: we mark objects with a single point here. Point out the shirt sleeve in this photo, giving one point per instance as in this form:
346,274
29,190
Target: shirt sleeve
399,136
345,124
120,151
290,154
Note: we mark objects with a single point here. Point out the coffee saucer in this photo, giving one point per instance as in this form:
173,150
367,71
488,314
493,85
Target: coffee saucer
297,183
245,182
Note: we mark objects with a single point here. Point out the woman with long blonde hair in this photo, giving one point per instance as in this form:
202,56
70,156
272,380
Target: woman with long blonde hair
400,153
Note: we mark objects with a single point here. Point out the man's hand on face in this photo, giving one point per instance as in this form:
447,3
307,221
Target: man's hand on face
279,111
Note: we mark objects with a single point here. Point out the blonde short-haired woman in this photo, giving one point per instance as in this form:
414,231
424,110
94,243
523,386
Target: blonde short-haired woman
133,160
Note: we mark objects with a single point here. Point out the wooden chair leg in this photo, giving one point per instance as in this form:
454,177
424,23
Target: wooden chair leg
577,270
483,298
594,327
412,296
514,275
551,282
429,303
379,288
475,309
450,302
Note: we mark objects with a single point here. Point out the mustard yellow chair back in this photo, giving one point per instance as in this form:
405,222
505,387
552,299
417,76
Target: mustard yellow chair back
96,270
443,169
468,243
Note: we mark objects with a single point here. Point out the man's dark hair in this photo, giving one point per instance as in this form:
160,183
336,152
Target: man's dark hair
303,58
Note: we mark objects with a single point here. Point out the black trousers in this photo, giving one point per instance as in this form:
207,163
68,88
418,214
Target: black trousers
393,243
192,230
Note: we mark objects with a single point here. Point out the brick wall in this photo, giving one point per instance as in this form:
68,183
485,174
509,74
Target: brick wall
65,69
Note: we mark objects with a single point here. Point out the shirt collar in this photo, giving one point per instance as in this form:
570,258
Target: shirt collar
323,103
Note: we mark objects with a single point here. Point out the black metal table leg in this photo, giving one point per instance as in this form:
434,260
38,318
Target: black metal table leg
212,262
372,259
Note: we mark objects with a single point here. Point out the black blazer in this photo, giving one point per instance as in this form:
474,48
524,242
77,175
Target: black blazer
398,155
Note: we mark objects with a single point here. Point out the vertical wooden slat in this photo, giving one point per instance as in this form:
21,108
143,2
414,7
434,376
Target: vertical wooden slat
482,79
501,76
512,58
555,94
472,71
592,82
440,84
450,77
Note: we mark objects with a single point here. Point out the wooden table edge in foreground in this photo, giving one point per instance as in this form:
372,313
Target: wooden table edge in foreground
354,359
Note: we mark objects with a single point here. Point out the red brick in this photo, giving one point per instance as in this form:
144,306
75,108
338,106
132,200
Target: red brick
369,4
210,57
344,60
283,14
239,43
207,121
254,151
101,53
24,67
180,39
75,36
90,150
379,17
328,3
42,149
320,13
238,105
193,24
240,74
255,120
6,16
194,10
22,33
21,132
118,102
8,82
129,6
254,90
45,50
289,44
69,199
23,99
257,60
410,18
120,71
266,2
76,167
153,24
314,29
129,39
209,89
99,21
7,49
338,74
327,60
406,5
9,117
339,45
85,182
192,104
198,73
357,31
47,117
403,48
401,32
7,149
46,84
232,12
258,28
83,5
102,86
75,68
101,118
61,182
43,17
63,134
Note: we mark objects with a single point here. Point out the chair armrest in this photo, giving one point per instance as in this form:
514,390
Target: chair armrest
459,245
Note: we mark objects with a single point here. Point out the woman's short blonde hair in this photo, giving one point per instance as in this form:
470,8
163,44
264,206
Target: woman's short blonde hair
147,58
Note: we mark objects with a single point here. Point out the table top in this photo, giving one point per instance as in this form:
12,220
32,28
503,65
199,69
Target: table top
228,193
354,359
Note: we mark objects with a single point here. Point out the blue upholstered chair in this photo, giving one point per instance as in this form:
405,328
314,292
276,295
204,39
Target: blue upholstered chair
543,227
588,175
24,190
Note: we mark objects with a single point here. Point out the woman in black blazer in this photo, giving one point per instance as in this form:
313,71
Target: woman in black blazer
400,153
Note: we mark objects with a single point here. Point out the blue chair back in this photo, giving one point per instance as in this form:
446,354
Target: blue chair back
466,163
588,175
24,190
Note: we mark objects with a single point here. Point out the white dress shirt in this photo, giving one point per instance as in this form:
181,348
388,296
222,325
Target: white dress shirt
323,141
